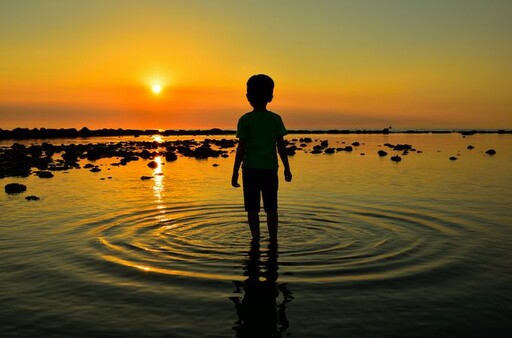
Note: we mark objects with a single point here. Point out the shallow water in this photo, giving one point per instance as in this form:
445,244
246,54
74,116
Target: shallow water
367,247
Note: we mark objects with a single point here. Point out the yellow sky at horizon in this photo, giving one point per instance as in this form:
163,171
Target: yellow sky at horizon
343,64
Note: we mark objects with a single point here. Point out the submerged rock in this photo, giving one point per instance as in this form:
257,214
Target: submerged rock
15,188
153,164
382,153
95,170
396,158
44,174
453,158
471,147
32,198
491,152
146,177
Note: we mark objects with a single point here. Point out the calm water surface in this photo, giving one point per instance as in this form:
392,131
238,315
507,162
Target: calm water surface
368,247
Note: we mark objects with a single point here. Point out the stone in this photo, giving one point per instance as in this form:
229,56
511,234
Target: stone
95,170
382,153
453,158
32,198
348,148
471,147
324,144
153,164
15,188
44,174
146,177
329,151
355,144
396,158
491,152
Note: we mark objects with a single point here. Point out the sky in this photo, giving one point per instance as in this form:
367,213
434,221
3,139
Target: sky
340,64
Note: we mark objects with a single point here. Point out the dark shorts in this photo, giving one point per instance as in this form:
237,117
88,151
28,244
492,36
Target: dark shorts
260,182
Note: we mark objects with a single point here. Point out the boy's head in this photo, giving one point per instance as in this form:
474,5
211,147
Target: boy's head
260,89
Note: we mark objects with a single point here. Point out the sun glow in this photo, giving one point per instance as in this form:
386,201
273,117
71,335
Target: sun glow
156,88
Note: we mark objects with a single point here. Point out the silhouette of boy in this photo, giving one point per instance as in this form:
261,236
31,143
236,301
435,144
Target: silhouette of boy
259,133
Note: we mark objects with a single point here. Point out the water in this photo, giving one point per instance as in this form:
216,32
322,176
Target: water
367,247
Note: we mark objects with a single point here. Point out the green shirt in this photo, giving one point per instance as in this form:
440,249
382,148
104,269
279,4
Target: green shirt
260,130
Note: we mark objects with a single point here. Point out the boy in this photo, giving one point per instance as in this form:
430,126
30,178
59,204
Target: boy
259,132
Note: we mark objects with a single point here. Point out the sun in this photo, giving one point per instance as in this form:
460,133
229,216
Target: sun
156,88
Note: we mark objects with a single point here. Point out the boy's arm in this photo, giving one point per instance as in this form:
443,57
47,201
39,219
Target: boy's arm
240,151
281,149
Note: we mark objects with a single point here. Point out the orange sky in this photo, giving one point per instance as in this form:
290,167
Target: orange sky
336,64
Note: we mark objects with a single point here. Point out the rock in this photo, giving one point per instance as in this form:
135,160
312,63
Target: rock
95,170
396,158
307,140
348,148
32,198
290,151
146,177
329,151
453,158
316,151
153,164
471,147
44,174
324,144
170,156
89,165
15,188
355,144
215,165
318,147
382,153
491,152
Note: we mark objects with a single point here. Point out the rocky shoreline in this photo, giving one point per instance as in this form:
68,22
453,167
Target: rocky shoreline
49,133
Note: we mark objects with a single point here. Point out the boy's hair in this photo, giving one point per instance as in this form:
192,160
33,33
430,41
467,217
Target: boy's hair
260,88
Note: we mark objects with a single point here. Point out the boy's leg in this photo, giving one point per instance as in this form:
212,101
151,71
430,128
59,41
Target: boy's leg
272,222
269,193
254,224
252,201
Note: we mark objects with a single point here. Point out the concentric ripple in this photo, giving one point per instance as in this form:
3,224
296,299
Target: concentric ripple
317,244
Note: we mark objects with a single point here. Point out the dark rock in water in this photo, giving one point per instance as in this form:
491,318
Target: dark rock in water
44,174
491,152
318,147
146,177
355,144
382,153
453,158
95,170
362,154
153,164
15,188
400,147
324,144
396,158
215,165
170,156
290,151
471,147
329,151
307,140
32,198
348,148
89,165
316,151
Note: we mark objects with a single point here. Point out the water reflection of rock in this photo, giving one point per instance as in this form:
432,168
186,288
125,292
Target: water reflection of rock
260,309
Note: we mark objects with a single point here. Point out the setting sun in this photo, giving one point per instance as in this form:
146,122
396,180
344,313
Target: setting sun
156,89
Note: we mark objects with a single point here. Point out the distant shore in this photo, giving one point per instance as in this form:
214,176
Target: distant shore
50,133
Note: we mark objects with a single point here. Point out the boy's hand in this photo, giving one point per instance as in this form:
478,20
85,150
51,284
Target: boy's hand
287,175
234,180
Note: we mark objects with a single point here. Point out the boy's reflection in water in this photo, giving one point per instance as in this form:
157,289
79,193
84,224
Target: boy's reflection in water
261,313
